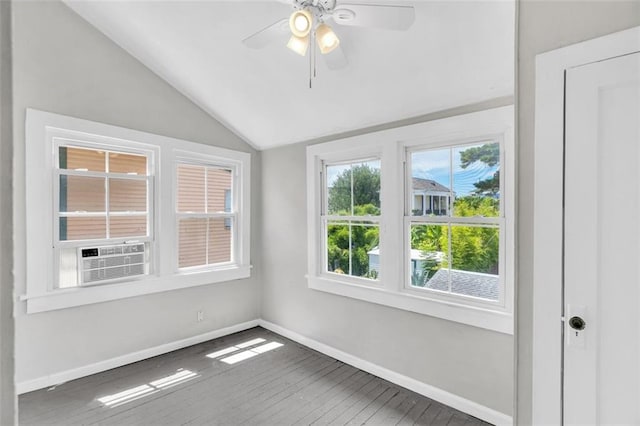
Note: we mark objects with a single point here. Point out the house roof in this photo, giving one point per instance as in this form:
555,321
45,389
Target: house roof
467,283
428,185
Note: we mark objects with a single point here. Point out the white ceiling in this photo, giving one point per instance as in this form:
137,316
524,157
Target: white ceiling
456,53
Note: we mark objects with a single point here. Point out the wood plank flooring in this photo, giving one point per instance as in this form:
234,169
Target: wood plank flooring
277,385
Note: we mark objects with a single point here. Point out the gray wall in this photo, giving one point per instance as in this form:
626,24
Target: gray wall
64,65
474,363
543,26
7,399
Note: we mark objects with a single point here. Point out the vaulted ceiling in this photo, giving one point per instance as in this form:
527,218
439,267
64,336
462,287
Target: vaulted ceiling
456,53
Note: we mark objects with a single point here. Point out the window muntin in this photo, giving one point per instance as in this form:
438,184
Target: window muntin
205,215
393,288
53,264
101,194
351,218
456,250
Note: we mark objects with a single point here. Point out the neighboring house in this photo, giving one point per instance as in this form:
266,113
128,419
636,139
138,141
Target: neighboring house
431,198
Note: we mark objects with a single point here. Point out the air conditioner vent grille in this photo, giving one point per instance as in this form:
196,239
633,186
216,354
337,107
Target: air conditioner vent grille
102,274
111,261
100,264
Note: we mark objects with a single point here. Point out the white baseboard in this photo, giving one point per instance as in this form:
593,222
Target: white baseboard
447,398
455,401
65,376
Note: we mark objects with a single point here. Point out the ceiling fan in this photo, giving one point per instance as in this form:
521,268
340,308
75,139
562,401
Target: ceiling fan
311,21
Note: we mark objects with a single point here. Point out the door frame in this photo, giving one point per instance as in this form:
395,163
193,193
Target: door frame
548,211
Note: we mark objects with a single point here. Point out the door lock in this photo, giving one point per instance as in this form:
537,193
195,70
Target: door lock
577,323
576,336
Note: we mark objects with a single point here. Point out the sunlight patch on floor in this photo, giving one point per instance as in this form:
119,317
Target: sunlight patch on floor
138,392
251,353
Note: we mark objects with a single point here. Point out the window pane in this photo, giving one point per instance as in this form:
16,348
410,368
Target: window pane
338,248
191,188
82,194
364,245
428,263
218,190
352,249
127,226
475,252
81,159
82,228
127,195
354,189
431,182
127,163
192,242
220,237
476,179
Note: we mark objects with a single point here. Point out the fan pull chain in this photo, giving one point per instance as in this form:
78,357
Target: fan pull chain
312,57
310,67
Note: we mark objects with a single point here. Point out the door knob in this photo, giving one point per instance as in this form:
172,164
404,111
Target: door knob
577,323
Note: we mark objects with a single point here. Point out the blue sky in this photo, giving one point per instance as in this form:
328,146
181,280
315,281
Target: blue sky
434,164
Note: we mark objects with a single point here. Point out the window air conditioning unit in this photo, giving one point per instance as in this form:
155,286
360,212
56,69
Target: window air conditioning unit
107,263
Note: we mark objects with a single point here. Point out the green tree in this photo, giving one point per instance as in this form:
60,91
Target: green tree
473,248
488,154
357,239
474,205
363,239
366,189
429,240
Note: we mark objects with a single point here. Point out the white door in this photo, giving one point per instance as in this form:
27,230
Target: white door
601,380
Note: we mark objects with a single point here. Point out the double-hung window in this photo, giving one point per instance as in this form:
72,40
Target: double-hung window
114,213
103,202
418,218
204,214
453,195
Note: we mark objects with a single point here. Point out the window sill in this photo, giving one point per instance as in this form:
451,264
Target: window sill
79,296
501,322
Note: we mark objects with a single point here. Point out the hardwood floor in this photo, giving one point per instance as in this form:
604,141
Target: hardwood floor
275,385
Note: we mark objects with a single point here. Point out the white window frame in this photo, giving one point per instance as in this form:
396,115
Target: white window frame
391,147
325,218
60,138
186,158
148,178
500,222
41,294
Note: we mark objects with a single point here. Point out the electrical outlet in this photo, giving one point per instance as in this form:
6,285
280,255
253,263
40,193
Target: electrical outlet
200,316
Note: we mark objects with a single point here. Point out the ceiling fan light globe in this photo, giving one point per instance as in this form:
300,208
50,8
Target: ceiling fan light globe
327,39
300,23
298,44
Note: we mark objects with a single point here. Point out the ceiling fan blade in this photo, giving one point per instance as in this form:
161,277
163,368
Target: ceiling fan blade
390,17
274,32
335,59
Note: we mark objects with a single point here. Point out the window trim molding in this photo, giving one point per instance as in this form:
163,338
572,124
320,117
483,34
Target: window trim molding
390,146
504,221
37,241
237,254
